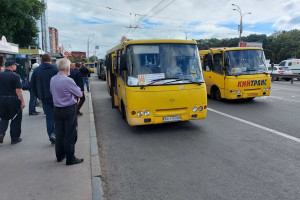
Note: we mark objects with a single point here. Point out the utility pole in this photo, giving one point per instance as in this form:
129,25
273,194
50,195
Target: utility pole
241,19
184,30
88,45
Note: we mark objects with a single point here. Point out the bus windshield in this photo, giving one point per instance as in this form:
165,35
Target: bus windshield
244,62
161,64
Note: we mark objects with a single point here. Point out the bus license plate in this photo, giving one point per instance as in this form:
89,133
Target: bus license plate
252,94
172,119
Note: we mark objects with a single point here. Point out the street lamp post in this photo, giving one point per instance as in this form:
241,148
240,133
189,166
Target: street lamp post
241,19
184,30
88,45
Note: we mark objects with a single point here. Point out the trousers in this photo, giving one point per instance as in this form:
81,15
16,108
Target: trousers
48,110
65,119
10,110
32,102
15,126
86,81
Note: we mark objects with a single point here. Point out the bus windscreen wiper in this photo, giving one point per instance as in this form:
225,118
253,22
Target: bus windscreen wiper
157,80
172,80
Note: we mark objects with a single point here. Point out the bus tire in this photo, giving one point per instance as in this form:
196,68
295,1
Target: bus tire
218,94
123,110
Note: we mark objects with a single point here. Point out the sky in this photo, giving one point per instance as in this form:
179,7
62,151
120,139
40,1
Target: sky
104,22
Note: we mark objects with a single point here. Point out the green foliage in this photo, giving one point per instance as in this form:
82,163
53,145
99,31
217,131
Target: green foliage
93,59
18,20
285,44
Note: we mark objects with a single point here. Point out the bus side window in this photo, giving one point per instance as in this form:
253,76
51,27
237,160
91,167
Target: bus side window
207,63
218,63
290,64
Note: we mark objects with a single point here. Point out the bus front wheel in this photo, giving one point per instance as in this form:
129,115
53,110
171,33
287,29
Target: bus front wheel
218,94
215,93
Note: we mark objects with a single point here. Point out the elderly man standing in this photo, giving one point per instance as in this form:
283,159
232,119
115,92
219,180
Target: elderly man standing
11,102
40,84
64,91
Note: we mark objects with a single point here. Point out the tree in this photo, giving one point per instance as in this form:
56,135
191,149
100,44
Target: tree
93,59
18,20
284,44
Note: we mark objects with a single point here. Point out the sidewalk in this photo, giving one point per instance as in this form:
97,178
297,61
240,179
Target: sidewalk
28,170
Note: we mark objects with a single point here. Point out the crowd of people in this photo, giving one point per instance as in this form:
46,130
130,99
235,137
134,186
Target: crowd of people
60,88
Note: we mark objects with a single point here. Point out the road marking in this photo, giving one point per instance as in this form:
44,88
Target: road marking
256,125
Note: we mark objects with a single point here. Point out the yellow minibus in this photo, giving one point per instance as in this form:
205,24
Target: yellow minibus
235,72
157,81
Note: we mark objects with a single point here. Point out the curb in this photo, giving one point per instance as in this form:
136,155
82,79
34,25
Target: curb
96,179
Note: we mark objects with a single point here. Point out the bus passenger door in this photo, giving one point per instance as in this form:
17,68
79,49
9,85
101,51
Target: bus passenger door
218,75
122,84
207,72
114,83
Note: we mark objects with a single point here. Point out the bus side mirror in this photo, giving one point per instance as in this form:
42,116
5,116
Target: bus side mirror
123,62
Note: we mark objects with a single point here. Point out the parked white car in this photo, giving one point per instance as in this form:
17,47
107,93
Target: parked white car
280,70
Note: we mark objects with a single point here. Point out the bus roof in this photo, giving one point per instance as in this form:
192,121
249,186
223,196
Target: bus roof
229,49
153,41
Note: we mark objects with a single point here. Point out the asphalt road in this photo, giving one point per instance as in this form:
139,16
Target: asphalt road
235,153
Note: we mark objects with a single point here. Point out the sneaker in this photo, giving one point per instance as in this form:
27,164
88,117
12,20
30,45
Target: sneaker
1,139
74,161
16,141
52,137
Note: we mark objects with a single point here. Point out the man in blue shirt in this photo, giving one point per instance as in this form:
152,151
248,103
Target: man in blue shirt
11,102
40,84
76,75
65,91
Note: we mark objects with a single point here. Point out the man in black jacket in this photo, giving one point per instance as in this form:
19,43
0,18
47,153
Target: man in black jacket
76,75
40,83
85,73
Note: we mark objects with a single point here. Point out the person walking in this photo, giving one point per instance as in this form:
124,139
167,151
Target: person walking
40,84
64,91
33,99
11,102
76,75
85,73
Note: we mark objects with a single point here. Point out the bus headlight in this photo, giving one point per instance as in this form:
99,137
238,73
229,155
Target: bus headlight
147,113
195,109
200,108
140,113
234,91
239,91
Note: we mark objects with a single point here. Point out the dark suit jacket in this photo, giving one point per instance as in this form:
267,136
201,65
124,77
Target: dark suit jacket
76,75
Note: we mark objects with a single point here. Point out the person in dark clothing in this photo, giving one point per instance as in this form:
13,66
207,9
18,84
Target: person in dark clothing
11,102
33,99
40,84
85,73
76,75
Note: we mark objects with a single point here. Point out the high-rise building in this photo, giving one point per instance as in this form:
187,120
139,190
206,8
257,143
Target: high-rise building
53,38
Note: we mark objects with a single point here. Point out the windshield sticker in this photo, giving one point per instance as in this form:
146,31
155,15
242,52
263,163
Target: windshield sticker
252,83
132,80
145,79
236,70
